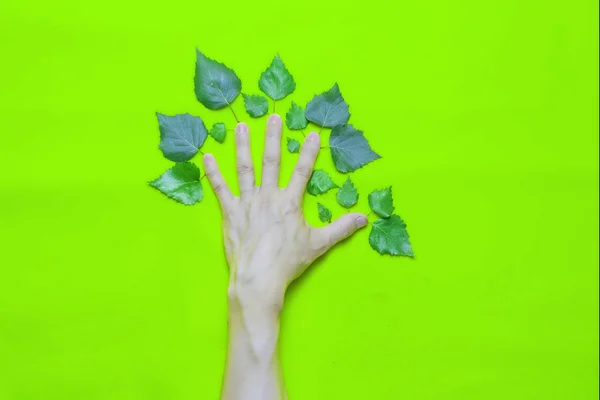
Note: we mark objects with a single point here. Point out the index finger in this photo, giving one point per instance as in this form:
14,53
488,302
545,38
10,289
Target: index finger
218,182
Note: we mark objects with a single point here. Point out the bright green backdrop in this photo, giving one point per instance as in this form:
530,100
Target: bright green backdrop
485,113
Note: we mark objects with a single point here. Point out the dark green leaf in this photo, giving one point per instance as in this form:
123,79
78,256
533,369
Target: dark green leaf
320,182
276,82
218,132
181,183
324,213
216,86
347,196
389,236
381,202
328,109
256,105
295,118
180,136
293,145
349,148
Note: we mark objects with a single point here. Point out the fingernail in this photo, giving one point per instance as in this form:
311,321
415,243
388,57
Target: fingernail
313,136
274,119
241,128
208,157
361,221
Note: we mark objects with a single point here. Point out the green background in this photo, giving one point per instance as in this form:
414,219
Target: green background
485,113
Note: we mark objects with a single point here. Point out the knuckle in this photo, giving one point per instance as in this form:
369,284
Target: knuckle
219,187
290,207
244,169
303,171
271,161
272,134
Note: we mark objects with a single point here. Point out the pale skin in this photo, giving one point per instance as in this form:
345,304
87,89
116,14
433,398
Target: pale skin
268,244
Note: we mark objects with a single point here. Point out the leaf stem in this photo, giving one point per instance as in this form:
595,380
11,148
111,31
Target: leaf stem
235,116
369,214
302,131
274,102
202,177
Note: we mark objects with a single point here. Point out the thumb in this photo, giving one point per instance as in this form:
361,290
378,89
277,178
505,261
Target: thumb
342,227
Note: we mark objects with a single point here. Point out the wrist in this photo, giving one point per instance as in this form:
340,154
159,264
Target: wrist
259,296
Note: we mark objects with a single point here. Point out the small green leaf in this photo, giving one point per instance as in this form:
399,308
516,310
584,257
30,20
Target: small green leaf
293,145
295,118
181,183
276,82
256,105
216,86
328,109
320,182
324,213
389,236
381,202
180,136
349,148
218,132
347,196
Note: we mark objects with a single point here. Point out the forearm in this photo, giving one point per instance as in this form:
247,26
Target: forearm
253,370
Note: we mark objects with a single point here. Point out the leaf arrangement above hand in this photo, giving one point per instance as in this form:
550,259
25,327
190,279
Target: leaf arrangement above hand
217,86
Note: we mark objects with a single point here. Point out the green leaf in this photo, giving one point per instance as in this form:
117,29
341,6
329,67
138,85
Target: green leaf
295,118
389,236
256,105
349,148
181,183
328,109
381,202
293,145
218,132
276,82
320,182
216,86
347,196
324,213
180,136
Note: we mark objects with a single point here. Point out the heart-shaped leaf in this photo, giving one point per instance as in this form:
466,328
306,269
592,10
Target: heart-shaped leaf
276,82
324,213
293,145
389,236
320,182
295,118
218,132
381,202
216,86
328,109
347,196
256,105
181,183
349,148
180,135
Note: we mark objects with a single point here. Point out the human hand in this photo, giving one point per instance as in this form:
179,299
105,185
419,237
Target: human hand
268,242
